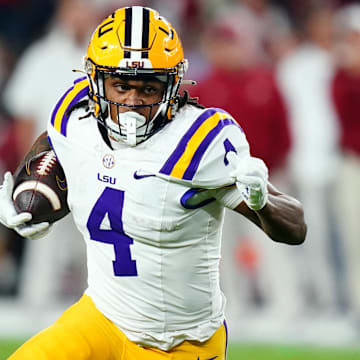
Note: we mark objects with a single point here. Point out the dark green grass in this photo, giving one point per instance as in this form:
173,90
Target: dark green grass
248,352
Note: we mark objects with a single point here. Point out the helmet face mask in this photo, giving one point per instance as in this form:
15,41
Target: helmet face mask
110,54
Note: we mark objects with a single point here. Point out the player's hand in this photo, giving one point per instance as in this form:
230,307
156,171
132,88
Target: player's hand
34,231
11,219
251,178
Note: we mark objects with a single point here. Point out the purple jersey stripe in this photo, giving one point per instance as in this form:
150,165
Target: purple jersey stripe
50,142
76,99
79,79
53,115
200,151
189,194
227,337
180,148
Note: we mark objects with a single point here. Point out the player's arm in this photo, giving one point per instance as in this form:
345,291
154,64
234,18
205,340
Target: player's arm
281,218
279,215
8,214
41,144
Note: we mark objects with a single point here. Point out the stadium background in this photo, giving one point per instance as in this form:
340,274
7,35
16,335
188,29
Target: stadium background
281,69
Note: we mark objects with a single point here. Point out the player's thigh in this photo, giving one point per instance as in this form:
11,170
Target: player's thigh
82,332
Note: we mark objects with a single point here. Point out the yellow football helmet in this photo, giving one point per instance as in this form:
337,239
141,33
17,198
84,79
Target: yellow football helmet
135,41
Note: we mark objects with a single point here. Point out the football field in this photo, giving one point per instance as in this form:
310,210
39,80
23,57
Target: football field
249,352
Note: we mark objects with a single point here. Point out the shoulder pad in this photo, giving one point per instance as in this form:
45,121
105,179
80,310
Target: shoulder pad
59,117
194,148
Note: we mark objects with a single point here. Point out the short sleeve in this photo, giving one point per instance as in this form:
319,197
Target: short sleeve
229,197
60,116
59,135
201,156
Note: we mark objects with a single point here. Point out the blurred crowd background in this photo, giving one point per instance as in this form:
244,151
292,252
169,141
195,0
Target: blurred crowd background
288,72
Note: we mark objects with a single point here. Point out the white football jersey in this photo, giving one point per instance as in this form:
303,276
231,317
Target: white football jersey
151,216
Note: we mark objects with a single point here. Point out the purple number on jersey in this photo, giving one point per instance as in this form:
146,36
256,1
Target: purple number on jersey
111,202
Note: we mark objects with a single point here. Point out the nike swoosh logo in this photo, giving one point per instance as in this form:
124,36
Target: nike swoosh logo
137,176
213,358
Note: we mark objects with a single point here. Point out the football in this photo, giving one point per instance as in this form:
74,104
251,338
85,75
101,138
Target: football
40,188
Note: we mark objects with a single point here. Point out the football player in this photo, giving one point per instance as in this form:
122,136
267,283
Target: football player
149,174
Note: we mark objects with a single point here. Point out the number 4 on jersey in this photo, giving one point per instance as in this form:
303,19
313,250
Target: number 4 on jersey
111,202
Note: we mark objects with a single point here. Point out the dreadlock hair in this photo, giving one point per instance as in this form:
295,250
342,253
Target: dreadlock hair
78,105
160,121
186,99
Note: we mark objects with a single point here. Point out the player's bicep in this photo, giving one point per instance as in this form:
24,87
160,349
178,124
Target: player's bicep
214,170
40,145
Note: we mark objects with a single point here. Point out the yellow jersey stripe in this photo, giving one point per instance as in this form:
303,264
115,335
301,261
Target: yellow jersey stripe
59,118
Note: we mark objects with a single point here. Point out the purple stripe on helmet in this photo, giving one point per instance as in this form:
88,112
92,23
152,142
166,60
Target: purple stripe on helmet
77,98
53,115
200,151
180,148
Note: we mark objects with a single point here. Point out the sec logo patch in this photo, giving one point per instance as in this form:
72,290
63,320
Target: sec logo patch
108,161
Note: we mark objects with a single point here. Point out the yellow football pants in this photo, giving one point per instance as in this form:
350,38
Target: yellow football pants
83,333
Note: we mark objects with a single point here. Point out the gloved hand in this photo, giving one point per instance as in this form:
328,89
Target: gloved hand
11,219
251,177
